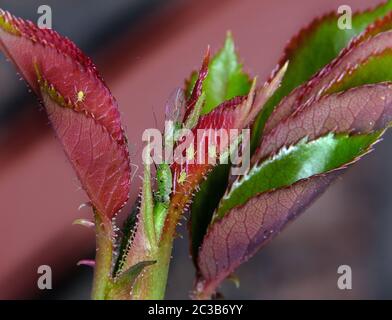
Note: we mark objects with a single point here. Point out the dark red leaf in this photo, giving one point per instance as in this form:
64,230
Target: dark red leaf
244,230
236,236
80,106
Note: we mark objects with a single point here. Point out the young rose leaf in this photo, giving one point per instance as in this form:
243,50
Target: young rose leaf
194,116
286,175
365,61
306,113
294,163
225,79
365,67
359,110
189,83
187,175
237,113
80,106
197,87
220,80
376,69
100,164
324,37
232,240
204,204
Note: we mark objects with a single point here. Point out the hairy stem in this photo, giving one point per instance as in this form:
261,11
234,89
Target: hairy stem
103,257
161,268
152,284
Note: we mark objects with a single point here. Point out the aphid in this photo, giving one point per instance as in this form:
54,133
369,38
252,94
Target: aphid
182,177
164,183
80,96
162,197
174,110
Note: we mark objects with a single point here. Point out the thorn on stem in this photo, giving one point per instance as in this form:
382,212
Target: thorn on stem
84,223
89,263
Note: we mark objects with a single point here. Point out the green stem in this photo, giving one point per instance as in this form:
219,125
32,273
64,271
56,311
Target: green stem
162,268
147,209
158,273
103,257
152,285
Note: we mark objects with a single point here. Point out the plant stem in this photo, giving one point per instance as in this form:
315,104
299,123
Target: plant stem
161,269
103,257
148,208
152,284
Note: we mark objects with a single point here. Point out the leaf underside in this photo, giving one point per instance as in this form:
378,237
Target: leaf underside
81,108
310,137
324,37
297,162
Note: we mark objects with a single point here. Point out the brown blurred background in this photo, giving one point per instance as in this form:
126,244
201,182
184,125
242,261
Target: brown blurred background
144,49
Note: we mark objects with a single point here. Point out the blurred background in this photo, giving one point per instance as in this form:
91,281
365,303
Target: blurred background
145,49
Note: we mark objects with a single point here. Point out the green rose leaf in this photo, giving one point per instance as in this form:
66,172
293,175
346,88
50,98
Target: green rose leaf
308,52
225,80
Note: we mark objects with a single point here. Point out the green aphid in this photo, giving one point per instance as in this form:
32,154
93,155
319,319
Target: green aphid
164,183
162,197
182,177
